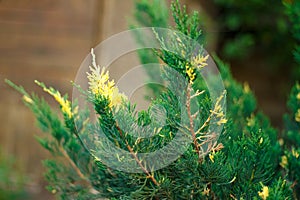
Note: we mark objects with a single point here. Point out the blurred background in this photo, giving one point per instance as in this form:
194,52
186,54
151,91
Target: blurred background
47,40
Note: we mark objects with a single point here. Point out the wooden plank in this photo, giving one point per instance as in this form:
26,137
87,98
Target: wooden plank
51,18
30,4
9,29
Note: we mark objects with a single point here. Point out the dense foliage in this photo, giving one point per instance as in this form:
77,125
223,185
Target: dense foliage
246,162
12,181
243,36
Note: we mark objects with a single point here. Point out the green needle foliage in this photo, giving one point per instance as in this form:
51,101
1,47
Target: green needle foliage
293,12
290,159
247,161
242,35
150,15
12,185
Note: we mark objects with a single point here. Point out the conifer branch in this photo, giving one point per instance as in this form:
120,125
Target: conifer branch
73,165
191,120
133,154
204,124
